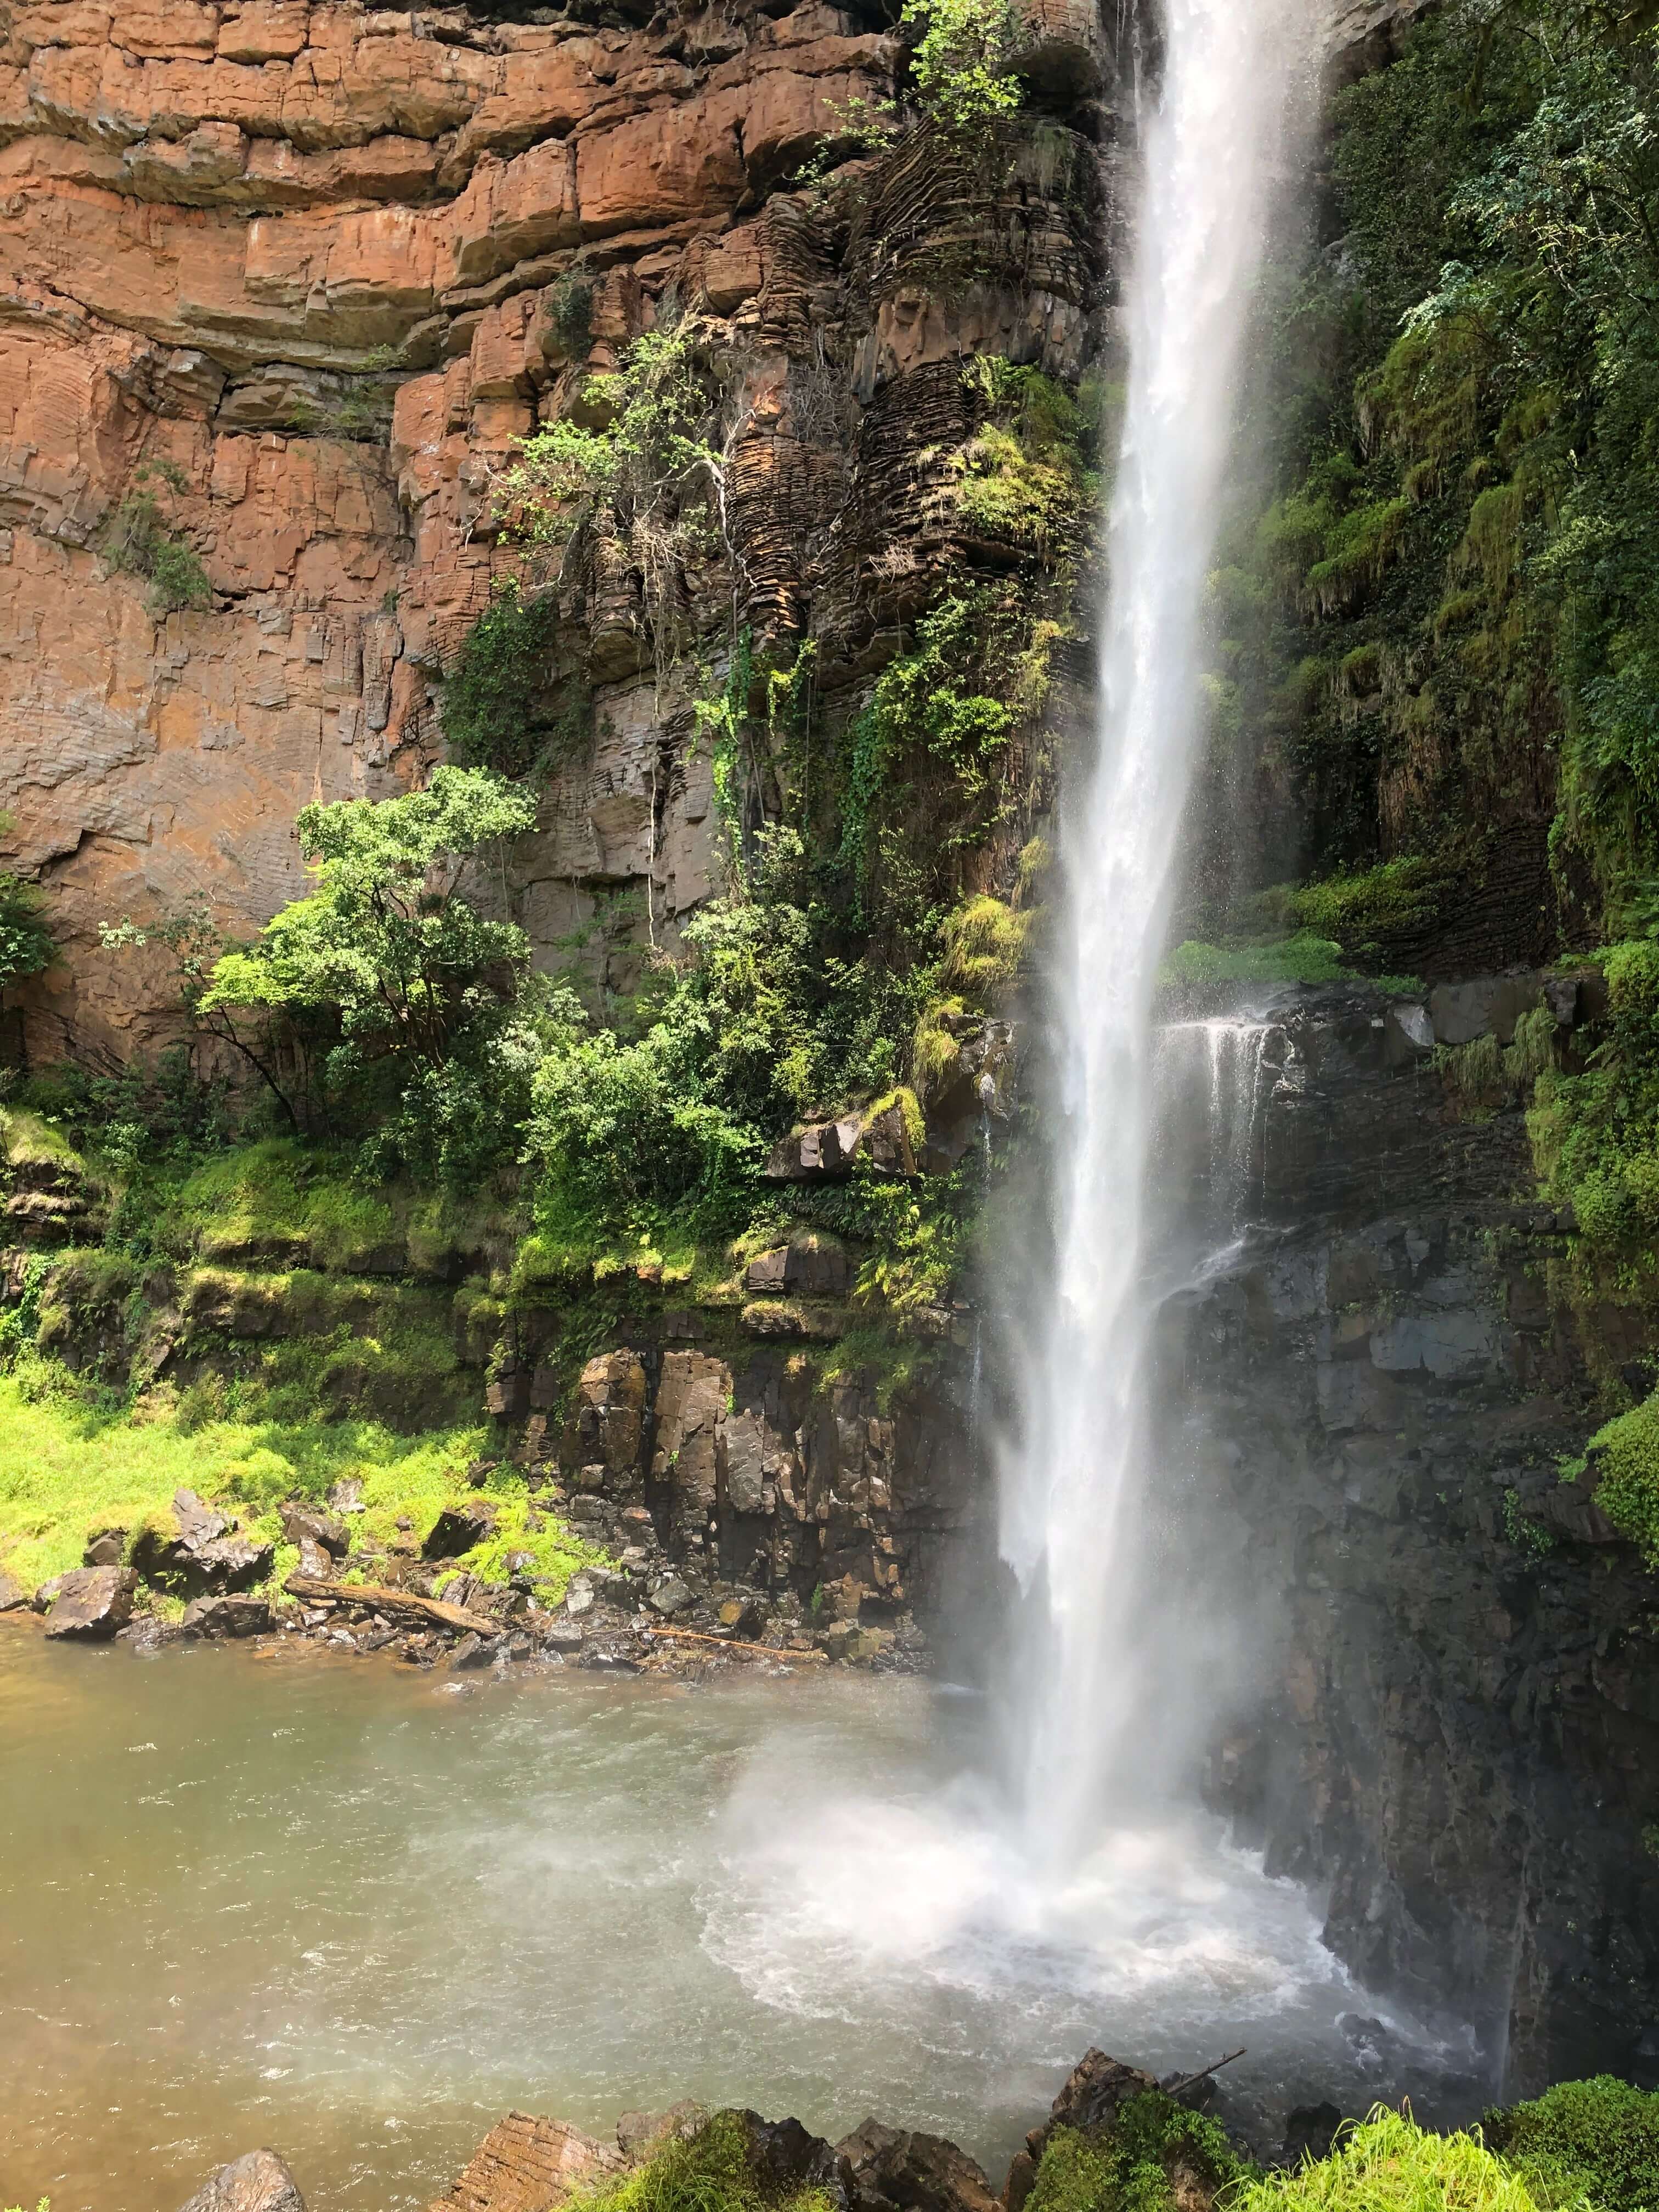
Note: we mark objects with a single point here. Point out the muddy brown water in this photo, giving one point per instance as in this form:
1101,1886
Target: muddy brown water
358,1911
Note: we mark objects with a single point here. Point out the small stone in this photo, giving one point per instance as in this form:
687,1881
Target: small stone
472,1650
347,1496
579,1597
670,1596
106,1547
562,1636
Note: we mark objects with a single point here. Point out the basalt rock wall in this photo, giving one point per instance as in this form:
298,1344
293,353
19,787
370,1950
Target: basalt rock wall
1458,1731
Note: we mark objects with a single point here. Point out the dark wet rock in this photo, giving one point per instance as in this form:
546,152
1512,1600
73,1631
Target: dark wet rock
204,1555
149,1633
787,2158
472,1650
260,2182
90,1602
458,1528
1310,2132
227,1616
670,1596
810,1266
561,1635
915,2171
303,1524
13,1596
824,1151
1094,2091
106,1547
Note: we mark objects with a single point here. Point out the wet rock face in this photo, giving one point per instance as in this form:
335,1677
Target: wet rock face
1459,1732
698,1468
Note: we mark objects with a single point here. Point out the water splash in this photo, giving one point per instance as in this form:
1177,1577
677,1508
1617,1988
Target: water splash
1211,151
1209,1086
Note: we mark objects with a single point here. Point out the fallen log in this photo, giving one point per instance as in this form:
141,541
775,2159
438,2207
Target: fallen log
374,1597
1191,2080
729,1643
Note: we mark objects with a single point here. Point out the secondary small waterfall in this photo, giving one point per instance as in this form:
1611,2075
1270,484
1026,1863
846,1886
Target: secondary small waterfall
1211,142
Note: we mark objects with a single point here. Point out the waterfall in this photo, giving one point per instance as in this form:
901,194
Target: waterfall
1211,141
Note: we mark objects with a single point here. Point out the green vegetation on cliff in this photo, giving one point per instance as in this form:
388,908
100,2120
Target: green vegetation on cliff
1438,632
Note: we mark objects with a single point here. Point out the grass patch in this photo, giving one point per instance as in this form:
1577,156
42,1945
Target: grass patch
275,1200
67,1467
31,1141
1388,2164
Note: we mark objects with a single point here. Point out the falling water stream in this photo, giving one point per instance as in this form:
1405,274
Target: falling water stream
1211,146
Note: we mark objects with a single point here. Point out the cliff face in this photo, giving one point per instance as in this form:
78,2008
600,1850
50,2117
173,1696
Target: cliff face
302,264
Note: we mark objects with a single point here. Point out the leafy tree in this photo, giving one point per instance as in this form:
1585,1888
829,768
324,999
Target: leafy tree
963,70
422,994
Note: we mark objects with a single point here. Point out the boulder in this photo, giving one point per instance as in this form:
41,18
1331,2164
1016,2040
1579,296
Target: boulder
238,1615
824,1151
670,1596
106,1547
91,1602
527,2165
811,1267
459,1527
1309,2132
903,2168
204,1555
638,2134
304,1523
1095,2090
260,2182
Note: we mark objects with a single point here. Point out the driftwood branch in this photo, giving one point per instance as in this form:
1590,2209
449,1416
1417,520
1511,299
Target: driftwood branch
374,1597
1190,2081
728,1644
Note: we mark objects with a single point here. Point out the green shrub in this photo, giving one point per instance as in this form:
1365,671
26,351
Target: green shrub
1597,2139
27,944
495,702
136,540
1129,2167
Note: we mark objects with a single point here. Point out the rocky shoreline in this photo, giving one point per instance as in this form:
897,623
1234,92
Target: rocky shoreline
633,1615
528,2163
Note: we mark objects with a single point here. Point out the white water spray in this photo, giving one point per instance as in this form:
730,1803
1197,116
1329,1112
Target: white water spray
1211,151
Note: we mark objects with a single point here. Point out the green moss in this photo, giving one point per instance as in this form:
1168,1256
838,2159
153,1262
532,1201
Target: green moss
1597,2139
546,1554
1388,2164
280,1199
1628,1449
1366,911
33,1141
1303,958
